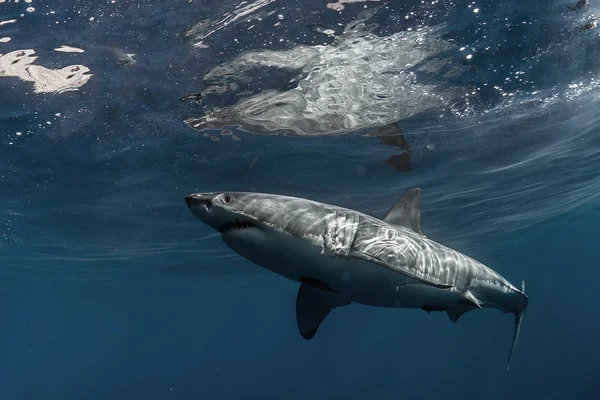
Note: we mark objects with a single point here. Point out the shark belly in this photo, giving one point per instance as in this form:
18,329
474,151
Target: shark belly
354,279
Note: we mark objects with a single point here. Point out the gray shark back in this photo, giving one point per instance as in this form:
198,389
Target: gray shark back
401,249
347,232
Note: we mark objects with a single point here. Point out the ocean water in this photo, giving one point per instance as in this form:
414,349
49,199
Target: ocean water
111,288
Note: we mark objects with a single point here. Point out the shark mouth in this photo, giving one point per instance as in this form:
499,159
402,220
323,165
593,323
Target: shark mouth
235,226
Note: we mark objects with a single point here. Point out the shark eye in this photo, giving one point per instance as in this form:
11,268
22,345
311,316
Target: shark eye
228,199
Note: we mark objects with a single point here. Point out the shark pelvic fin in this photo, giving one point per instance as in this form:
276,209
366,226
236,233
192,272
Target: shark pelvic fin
312,306
406,212
518,320
469,299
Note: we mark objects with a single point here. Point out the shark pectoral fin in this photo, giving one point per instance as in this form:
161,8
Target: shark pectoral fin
456,312
468,299
406,212
312,306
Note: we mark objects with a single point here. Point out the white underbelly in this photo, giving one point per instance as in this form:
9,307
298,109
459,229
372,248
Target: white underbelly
352,278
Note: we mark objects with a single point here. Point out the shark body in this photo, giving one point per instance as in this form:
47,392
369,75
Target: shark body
340,256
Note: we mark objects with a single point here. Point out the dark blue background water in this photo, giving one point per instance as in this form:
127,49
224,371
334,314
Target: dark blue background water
109,288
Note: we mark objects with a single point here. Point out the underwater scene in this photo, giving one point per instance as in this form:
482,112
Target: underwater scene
299,199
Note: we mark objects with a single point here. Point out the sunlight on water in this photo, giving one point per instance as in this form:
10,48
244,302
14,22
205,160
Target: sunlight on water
243,11
338,5
20,64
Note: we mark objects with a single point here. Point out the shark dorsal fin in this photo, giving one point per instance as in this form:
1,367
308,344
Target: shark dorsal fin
312,306
406,212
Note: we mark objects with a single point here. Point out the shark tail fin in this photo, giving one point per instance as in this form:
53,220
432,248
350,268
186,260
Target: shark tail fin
518,320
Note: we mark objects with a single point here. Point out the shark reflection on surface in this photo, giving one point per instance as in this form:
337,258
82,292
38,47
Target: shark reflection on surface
359,82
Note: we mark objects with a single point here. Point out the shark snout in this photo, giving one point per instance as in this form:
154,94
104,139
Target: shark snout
199,200
203,207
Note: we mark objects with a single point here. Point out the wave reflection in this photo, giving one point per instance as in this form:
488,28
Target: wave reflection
359,81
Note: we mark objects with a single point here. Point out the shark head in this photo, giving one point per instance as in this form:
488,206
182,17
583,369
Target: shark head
276,232
224,212
232,211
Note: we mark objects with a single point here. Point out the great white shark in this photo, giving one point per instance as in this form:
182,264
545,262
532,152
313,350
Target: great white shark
340,256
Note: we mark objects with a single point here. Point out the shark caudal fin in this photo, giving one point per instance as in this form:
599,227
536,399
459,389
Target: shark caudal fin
518,319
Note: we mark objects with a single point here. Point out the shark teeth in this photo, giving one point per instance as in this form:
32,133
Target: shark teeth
236,226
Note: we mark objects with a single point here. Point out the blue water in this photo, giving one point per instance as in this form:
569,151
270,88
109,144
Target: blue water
110,288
